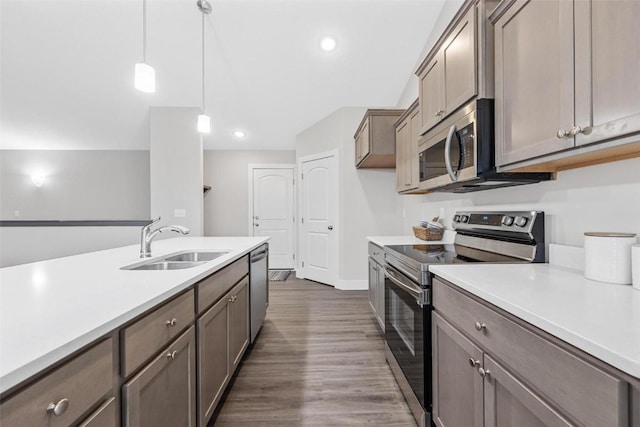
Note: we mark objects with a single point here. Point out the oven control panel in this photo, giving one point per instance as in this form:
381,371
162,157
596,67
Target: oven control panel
516,221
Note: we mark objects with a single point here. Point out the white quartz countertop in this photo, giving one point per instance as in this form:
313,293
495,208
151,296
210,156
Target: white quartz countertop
601,319
410,240
50,309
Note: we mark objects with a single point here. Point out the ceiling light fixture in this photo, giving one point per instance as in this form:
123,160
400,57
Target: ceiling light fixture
145,75
204,122
239,134
328,44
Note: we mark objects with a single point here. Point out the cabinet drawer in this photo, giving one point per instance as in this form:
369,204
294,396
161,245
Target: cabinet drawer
83,381
104,416
377,253
145,337
219,283
583,391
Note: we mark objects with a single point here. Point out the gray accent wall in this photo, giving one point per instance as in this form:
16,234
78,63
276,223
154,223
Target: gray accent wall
226,206
78,185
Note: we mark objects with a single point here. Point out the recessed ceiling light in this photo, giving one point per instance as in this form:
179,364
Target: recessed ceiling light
239,134
328,44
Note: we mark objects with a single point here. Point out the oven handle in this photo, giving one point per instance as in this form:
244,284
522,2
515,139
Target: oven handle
447,155
418,294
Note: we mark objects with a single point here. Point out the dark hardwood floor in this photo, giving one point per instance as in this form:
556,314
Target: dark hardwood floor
318,360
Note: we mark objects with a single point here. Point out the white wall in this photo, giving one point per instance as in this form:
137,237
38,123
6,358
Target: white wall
597,198
368,202
176,168
226,206
79,185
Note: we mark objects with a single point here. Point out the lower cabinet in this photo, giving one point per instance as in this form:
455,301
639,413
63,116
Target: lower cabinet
472,389
64,396
376,290
163,393
104,416
223,336
492,369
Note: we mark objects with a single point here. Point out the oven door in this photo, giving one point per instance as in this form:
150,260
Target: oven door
408,331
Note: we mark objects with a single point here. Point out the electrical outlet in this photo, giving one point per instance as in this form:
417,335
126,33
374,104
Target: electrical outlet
16,213
179,213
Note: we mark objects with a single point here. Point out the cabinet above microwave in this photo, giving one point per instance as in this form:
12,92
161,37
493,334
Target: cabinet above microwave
460,65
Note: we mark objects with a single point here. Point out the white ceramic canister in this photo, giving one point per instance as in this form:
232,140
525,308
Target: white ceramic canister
607,257
635,266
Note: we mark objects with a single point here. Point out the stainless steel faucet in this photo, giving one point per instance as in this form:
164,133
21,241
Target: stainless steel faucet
147,236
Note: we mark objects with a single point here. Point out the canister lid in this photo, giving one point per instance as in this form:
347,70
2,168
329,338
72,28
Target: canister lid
595,234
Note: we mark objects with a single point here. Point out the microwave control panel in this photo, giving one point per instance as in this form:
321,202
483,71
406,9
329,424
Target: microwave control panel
466,137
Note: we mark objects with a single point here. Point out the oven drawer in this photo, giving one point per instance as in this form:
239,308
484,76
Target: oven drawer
377,253
590,395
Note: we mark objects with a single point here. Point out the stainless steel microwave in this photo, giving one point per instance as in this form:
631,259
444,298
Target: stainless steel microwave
458,155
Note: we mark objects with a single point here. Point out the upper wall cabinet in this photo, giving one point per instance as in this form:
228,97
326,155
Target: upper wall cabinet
407,135
567,75
375,142
459,66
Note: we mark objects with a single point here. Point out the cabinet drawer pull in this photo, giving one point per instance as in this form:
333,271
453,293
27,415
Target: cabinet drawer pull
473,363
172,355
59,408
233,298
481,327
577,129
172,323
561,134
484,373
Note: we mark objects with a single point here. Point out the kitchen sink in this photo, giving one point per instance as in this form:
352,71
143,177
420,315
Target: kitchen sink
177,261
167,265
195,256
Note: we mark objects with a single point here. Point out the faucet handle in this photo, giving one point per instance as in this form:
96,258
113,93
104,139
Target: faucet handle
155,221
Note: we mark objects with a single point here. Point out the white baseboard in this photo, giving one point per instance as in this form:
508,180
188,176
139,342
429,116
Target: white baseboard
352,285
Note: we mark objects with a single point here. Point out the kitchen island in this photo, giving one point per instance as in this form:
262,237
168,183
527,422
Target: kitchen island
51,310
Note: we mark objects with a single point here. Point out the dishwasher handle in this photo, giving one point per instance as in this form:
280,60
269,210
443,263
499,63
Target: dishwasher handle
258,256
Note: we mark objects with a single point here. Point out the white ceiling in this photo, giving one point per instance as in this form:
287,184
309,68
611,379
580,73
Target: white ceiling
67,66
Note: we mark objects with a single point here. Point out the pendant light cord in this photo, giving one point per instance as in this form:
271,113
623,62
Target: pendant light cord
144,31
203,62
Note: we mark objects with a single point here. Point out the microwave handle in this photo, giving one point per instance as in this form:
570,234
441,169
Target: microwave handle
447,155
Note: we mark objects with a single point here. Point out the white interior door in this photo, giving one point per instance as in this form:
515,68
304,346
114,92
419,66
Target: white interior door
273,214
319,190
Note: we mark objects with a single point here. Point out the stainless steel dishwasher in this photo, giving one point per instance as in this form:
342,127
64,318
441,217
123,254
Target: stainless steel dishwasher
258,287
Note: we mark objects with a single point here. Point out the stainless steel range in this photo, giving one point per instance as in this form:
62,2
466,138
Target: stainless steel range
497,237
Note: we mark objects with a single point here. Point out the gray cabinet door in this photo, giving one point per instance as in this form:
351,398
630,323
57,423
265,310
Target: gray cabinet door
607,69
432,93
104,416
164,392
457,385
238,323
380,307
213,358
412,155
459,59
373,286
534,72
403,175
508,402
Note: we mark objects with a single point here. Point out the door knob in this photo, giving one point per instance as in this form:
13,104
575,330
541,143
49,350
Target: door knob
330,227
256,217
256,224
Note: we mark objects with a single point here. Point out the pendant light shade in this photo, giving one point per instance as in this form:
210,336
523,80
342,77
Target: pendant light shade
145,75
145,78
204,122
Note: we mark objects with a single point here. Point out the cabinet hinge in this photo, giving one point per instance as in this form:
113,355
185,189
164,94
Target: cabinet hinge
303,220
303,263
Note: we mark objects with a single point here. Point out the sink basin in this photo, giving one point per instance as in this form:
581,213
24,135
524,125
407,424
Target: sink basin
168,265
177,261
195,256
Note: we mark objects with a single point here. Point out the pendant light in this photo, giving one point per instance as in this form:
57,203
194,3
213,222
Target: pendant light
145,75
204,122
